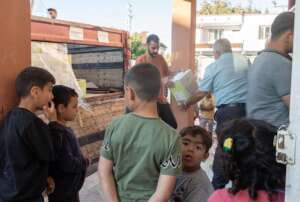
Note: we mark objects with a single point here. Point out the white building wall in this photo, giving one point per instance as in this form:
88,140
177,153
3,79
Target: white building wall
250,31
236,28
210,20
225,22
233,36
200,36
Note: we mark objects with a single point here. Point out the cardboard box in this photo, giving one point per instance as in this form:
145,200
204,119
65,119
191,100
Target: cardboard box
185,85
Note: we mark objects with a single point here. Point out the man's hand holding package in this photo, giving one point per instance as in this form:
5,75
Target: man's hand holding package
50,185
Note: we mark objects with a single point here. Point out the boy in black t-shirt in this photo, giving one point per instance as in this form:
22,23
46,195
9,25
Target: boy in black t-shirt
69,168
26,148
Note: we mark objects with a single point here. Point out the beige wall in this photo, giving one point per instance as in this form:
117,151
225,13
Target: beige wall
15,48
183,47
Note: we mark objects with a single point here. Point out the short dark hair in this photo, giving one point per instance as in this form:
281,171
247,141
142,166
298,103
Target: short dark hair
145,79
249,160
51,9
198,131
152,37
283,22
32,76
62,95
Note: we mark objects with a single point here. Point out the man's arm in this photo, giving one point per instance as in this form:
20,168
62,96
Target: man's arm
140,59
170,168
106,178
206,86
195,98
164,189
281,81
286,100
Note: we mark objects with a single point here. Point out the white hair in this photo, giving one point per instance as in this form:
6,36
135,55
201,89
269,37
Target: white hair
222,46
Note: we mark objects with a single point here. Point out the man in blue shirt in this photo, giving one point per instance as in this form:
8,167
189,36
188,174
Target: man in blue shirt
226,78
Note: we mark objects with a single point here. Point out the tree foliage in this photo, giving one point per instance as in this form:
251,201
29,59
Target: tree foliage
220,7
137,47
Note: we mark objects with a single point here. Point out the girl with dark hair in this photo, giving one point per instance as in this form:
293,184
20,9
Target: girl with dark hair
249,163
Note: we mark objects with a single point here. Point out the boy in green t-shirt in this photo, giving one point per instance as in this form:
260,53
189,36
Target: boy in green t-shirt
140,156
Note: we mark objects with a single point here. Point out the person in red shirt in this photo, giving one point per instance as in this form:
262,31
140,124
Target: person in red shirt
249,163
153,57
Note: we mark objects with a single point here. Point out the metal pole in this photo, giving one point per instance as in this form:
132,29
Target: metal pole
130,16
292,193
31,5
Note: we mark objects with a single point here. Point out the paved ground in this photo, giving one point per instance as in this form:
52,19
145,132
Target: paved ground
90,191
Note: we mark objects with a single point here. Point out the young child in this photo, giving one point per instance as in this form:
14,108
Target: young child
69,168
25,139
207,112
193,184
249,163
140,156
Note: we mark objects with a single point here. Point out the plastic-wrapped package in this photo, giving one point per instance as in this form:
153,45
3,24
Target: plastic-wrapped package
54,58
185,85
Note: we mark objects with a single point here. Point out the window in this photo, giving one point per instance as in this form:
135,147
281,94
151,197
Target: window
214,34
264,32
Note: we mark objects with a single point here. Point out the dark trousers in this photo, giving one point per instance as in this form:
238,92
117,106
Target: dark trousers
165,113
223,115
39,199
55,198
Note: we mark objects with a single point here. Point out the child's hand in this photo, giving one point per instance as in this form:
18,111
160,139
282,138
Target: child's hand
170,84
44,118
50,112
50,185
183,106
89,159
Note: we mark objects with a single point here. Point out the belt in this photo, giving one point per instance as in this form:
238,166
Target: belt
231,105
